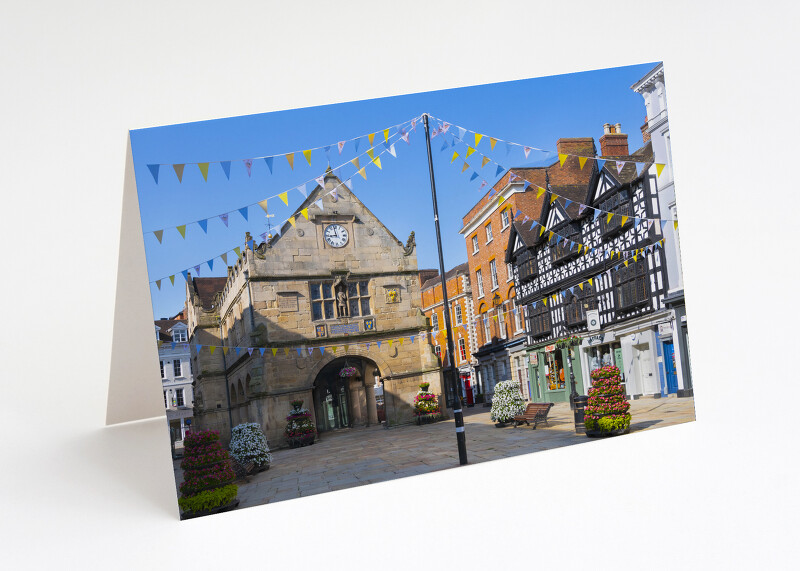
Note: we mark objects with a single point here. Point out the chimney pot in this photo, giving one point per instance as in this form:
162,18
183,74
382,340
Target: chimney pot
613,143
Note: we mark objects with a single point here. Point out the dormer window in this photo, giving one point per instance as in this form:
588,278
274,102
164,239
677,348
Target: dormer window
179,336
619,205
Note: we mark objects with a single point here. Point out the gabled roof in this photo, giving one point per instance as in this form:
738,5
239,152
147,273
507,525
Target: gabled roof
522,231
207,288
165,326
628,173
459,269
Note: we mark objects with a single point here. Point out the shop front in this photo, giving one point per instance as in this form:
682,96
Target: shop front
550,372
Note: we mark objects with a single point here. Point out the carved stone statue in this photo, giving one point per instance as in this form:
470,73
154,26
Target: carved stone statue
341,301
409,247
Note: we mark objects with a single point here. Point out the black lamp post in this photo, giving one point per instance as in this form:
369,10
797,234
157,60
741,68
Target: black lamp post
573,393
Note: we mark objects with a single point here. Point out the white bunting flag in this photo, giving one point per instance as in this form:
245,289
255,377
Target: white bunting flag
341,146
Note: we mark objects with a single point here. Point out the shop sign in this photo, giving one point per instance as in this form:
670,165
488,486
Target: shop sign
550,348
665,329
596,339
593,320
535,359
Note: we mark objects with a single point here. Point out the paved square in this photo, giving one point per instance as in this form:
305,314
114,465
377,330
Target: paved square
358,456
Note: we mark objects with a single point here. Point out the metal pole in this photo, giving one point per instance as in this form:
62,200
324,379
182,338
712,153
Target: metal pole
450,371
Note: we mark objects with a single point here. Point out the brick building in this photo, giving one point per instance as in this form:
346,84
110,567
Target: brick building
459,295
499,322
331,292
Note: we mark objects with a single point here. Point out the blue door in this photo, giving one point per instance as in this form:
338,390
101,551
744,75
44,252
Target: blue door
669,365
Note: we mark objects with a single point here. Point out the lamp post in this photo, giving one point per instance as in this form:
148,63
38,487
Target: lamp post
450,371
573,389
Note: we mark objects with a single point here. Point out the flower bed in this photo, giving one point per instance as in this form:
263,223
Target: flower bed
207,474
607,413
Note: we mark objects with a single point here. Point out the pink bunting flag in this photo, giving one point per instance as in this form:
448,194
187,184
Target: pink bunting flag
446,127
248,164
404,136
620,165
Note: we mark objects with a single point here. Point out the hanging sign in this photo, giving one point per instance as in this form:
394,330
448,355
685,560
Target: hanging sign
593,320
550,348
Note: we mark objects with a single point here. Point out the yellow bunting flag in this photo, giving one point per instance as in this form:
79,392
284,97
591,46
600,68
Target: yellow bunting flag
561,158
401,340
291,221
346,348
290,158
334,350
307,155
591,282
541,231
238,251
225,350
470,150
551,236
624,219
363,173
371,154
580,285
500,200
355,163
478,138
371,137
659,168
492,142
541,192
285,197
304,212
274,351
179,172
675,224
211,349
455,156
626,263
484,161
609,217
579,248
386,135
203,170
158,284
377,161
544,301
182,230
286,351
553,197
634,255
263,205
465,167
391,342
494,317
582,161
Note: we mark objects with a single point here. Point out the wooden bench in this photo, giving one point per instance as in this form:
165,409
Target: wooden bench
534,413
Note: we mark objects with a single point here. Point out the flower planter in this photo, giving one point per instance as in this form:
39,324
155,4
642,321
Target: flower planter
502,424
227,507
603,433
427,419
300,441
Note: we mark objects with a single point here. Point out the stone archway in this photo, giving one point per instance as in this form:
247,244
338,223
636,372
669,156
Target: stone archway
343,402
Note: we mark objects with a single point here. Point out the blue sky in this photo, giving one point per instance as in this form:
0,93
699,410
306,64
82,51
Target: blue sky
533,112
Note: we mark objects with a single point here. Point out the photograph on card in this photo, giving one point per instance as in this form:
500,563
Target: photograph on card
353,293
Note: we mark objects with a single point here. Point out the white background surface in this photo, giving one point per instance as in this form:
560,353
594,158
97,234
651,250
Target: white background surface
718,492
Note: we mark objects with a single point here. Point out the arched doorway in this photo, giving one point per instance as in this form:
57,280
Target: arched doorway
345,401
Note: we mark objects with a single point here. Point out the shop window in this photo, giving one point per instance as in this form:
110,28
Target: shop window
631,285
540,323
554,371
619,204
438,351
579,304
518,311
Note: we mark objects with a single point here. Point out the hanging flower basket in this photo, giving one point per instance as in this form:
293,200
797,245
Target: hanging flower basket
348,372
572,341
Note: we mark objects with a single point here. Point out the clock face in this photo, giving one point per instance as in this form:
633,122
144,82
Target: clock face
336,235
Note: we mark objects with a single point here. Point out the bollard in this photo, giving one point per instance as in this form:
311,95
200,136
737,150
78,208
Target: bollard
580,404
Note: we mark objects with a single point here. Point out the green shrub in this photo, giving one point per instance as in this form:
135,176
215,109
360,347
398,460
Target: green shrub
618,422
209,499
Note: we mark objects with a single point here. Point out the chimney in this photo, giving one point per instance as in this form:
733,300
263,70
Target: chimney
613,143
645,134
581,146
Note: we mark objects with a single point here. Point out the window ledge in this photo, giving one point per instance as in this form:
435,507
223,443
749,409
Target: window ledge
475,252
489,241
495,288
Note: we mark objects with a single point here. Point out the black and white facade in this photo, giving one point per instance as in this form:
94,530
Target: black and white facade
585,261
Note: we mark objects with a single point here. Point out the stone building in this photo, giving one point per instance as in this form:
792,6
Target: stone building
334,290
459,295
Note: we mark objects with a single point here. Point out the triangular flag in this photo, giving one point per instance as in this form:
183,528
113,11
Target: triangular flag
307,155
261,350
224,218
620,166
248,164
158,234
582,161
304,212
211,349
473,177
236,350
596,214
243,212
179,171
285,197
356,143
182,230
274,351
340,144
333,350
291,220
363,172
500,200
286,351
172,279
377,161
290,158
310,350
264,206
478,138
540,192
371,138
675,224
639,167
300,351
609,217
541,230
210,264
318,204
562,158
250,351
527,151
553,197
197,269
499,170
392,151
322,350
203,170
203,225
484,161
158,284
238,251
508,147
465,167
659,168
386,135
268,160
461,132
470,150
492,142
600,163
154,171
455,156
185,274
624,219
320,180
355,162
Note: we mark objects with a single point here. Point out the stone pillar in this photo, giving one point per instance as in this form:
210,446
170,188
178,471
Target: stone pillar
372,407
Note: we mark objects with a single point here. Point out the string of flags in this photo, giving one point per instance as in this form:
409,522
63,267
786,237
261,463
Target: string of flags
513,177
444,127
583,248
306,351
303,213
179,168
389,146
